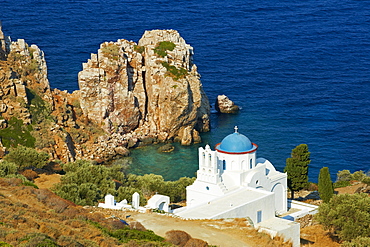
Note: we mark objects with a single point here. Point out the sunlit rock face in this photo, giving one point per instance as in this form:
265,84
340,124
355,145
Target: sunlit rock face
149,89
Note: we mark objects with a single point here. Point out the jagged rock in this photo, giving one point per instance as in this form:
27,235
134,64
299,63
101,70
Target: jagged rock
127,87
122,151
225,105
166,148
4,44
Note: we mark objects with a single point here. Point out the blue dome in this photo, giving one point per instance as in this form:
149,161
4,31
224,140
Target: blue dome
235,143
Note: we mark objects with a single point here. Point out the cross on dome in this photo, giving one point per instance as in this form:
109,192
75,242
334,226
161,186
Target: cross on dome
236,129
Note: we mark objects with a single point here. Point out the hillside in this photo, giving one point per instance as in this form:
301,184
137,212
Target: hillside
31,216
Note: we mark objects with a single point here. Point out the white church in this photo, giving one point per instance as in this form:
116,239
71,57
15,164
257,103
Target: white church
233,183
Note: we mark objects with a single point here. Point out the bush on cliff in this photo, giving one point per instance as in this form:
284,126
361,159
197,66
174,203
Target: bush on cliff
164,46
17,133
25,157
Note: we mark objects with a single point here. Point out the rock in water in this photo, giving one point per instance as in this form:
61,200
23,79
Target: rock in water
225,105
151,88
167,148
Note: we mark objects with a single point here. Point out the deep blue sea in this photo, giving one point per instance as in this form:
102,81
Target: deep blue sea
300,70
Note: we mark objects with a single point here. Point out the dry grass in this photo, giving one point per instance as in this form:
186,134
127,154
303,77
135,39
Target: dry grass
36,214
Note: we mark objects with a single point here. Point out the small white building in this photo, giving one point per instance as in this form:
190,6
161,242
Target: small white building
233,183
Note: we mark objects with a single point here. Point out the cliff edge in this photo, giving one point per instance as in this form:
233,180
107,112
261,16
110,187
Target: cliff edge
130,94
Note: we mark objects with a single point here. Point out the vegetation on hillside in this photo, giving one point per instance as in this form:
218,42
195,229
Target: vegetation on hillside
347,216
17,134
85,184
344,178
37,217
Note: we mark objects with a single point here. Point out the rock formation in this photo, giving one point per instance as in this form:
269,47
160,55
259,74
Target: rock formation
134,87
130,94
225,105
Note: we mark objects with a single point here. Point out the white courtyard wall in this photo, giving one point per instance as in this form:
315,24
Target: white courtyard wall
200,192
250,209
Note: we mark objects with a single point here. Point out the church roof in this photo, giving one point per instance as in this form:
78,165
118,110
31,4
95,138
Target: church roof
236,143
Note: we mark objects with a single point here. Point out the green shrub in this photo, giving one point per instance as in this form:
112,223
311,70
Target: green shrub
164,46
341,184
39,240
344,175
29,183
358,176
357,242
17,134
25,157
30,68
126,234
40,110
174,72
346,215
85,183
366,180
140,49
3,244
7,168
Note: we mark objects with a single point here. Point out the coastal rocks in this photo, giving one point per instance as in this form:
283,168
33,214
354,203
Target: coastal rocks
130,95
167,148
149,89
4,44
225,105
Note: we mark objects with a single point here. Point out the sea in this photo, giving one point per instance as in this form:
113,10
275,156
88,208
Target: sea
299,70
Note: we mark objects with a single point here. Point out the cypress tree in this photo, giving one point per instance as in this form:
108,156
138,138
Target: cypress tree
326,189
297,168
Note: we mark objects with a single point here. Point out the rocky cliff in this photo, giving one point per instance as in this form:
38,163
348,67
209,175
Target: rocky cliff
151,89
130,94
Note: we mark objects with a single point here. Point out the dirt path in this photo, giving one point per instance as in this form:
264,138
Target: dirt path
197,229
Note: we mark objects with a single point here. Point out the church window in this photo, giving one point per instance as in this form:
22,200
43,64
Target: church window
256,181
259,216
250,164
207,188
267,171
224,164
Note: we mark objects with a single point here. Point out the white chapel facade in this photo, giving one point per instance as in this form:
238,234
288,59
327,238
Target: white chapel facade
232,182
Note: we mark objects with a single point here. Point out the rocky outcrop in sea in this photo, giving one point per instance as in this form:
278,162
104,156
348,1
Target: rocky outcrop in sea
130,94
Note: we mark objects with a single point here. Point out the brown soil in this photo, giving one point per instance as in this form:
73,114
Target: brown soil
350,189
316,236
45,181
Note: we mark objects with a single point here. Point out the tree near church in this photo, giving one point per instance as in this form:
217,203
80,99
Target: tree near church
297,168
326,189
